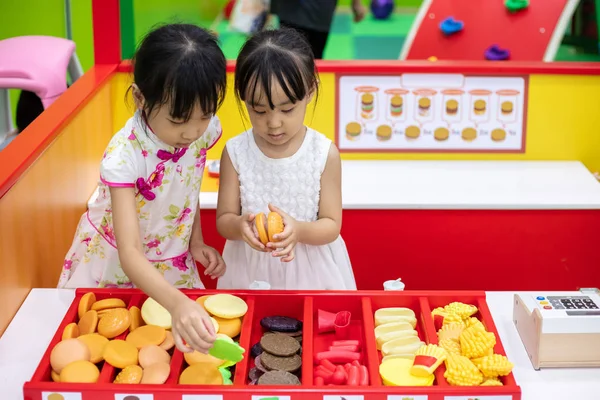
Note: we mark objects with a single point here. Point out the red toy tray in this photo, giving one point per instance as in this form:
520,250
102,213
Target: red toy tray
299,305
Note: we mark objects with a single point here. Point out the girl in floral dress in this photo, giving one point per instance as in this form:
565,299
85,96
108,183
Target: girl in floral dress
283,166
143,230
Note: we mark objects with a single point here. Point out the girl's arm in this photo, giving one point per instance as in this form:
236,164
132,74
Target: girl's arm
190,322
327,228
133,261
228,204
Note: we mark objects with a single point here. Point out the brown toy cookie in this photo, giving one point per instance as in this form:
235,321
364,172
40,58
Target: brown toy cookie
279,345
292,334
275,363
278,378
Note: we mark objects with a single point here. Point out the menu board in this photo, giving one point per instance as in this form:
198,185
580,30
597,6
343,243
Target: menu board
431,112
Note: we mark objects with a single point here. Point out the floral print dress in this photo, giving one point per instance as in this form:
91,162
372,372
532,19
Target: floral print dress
167,185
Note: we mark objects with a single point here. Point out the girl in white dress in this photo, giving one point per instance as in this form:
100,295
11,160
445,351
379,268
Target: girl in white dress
143,230
283,166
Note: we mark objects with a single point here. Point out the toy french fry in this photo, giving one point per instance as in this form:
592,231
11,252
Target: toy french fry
427,359
460,371
493,366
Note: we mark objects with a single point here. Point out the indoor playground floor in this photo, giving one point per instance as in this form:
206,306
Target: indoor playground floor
371,39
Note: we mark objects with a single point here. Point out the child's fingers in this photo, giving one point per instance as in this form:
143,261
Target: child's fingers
213,261
219,269
281,244
179,342
290,257
284,251
287,232
253,241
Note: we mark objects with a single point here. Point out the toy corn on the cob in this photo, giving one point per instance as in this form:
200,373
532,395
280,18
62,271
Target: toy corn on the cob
494,365
460,371
476,342
491,382
451,346
427,359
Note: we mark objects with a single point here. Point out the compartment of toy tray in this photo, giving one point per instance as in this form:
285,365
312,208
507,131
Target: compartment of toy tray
400,300
343,355
439,301
238,329
289,316
42,381
43,373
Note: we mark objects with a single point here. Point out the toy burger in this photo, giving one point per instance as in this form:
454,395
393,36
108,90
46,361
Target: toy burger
268,226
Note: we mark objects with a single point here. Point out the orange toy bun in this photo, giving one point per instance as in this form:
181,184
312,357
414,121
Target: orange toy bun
261,227
275,225
268,226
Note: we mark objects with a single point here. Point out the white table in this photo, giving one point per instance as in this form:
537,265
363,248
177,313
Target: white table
471,185
28,336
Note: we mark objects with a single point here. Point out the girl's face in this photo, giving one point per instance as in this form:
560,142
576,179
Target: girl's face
279,125
173,132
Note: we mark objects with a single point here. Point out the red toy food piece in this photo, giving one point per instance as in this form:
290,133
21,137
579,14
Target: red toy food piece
325,321
339,376
342,324
353,376
345,343
363,376
319,381
344,348
328,365
324,374
337,357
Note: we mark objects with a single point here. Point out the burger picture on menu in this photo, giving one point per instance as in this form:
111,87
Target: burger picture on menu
366,105
396,104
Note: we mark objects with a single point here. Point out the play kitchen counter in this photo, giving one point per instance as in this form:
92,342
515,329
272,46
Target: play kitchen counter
38,326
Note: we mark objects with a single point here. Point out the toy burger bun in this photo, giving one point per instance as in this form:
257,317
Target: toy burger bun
268,226
155,314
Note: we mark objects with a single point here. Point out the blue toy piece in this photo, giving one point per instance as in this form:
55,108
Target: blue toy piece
450,26
382,9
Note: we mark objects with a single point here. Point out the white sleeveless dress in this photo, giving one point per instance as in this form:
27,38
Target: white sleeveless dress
293,184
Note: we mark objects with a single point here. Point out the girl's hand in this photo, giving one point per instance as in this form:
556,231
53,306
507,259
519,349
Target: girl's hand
192,324
249,233
210,258
286,240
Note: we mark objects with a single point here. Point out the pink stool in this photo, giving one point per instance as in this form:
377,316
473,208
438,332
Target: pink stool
38,64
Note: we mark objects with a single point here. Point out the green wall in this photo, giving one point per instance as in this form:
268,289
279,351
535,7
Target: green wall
47,17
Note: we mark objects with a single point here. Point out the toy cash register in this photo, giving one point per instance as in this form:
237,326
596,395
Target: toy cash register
559,329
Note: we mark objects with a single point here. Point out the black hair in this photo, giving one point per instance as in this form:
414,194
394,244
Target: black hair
284,55
181,64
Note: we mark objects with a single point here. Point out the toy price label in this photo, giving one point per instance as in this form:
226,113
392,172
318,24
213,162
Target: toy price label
478,397
268,397
202,397
61,396
342,397
406,397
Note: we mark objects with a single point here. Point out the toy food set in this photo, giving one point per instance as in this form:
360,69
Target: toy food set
116,344
559,330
